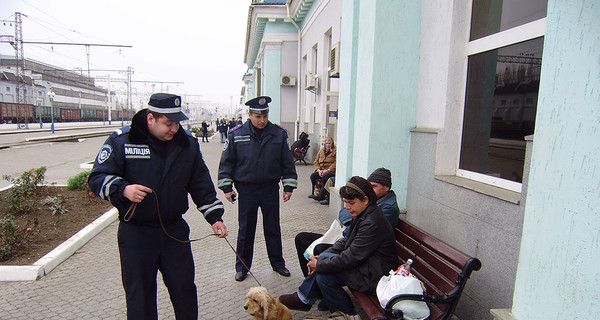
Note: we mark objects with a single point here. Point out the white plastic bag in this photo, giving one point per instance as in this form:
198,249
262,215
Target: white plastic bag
331,236
395,284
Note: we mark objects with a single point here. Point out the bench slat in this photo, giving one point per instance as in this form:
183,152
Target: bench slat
443,267
445,250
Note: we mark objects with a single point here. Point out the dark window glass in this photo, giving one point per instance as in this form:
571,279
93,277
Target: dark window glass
493,133
491,16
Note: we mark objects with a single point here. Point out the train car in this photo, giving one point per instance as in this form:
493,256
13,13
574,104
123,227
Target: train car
101,115
70,115
15,112
89,114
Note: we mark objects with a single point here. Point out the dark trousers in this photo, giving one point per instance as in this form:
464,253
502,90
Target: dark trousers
251,197
303,240
146,250
315,176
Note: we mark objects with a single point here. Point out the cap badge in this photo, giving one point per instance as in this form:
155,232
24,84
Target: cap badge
262,101
177,102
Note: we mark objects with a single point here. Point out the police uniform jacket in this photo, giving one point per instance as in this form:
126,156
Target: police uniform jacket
131,156
367,252
248,159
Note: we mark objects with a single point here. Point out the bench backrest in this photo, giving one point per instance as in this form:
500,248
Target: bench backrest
443,269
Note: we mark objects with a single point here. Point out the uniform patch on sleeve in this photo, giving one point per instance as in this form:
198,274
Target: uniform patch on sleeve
104,153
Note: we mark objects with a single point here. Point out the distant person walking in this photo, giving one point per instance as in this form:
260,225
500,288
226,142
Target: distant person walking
223,128
204,130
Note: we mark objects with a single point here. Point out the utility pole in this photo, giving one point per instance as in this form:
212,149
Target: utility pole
19,56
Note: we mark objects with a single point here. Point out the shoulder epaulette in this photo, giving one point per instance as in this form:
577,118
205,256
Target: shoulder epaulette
235,128
189,133
122,131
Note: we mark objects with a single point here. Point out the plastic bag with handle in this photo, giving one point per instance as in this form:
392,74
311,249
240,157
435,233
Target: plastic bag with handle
394,284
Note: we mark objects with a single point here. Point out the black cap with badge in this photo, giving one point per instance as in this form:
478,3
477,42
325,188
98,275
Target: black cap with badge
259,105
167,104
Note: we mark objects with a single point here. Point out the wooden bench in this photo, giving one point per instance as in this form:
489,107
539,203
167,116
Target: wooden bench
443,269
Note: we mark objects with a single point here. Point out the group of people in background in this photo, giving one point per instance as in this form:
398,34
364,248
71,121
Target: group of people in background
154,164
224,126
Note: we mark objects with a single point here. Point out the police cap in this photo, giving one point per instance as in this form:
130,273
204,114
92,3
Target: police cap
167,104
259,105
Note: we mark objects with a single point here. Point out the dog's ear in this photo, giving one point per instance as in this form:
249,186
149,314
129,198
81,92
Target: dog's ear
266,302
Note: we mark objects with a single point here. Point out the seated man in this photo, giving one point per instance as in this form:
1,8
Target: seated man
357,260
381,181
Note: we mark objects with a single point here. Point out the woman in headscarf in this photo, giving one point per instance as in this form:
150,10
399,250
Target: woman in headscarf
357,260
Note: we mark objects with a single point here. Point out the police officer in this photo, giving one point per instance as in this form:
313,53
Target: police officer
255,158
146,171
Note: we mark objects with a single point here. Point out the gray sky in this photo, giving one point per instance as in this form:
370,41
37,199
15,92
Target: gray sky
200,43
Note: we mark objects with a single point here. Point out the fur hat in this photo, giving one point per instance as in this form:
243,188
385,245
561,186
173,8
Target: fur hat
382,176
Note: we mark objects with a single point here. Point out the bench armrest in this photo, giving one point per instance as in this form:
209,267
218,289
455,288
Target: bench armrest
397,314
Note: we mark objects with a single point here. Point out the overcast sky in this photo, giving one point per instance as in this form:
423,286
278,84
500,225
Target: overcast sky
200,43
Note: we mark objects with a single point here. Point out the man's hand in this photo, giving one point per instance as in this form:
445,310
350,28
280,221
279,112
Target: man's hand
136,192
312,265
220,229
286,196
231,196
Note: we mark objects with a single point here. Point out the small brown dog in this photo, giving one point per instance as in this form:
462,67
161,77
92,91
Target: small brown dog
263,306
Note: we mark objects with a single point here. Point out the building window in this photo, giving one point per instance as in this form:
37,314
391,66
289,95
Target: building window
504,61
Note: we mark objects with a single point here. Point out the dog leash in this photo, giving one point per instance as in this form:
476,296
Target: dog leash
129,214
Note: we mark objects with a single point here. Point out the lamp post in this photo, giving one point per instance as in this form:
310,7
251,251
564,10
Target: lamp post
39,110
51,97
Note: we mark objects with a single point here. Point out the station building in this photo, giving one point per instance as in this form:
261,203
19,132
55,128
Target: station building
485,111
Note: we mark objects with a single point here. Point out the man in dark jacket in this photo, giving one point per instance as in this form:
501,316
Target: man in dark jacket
357,260
146,171
255,158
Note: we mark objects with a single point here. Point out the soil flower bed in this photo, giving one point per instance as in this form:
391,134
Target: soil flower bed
44,231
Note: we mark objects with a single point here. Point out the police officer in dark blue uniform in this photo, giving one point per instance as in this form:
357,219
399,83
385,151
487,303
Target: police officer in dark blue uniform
146,171
255,158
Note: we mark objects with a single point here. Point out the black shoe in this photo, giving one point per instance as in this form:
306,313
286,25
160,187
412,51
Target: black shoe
240,276
312,196
324,202
322,195
283,271
323,306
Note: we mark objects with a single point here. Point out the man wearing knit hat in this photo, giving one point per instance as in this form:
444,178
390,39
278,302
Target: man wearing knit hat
381,181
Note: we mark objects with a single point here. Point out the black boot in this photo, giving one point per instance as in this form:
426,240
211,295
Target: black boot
321,196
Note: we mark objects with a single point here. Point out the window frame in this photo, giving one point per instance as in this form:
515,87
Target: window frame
524,32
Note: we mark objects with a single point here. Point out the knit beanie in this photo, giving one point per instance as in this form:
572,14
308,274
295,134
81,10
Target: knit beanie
382,176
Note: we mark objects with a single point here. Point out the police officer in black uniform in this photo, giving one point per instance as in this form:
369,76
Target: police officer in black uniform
146,171
255,158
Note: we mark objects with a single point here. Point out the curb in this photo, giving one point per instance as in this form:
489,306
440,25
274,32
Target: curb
55,257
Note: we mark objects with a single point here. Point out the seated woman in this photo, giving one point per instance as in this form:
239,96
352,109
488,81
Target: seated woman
324,168
358,260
